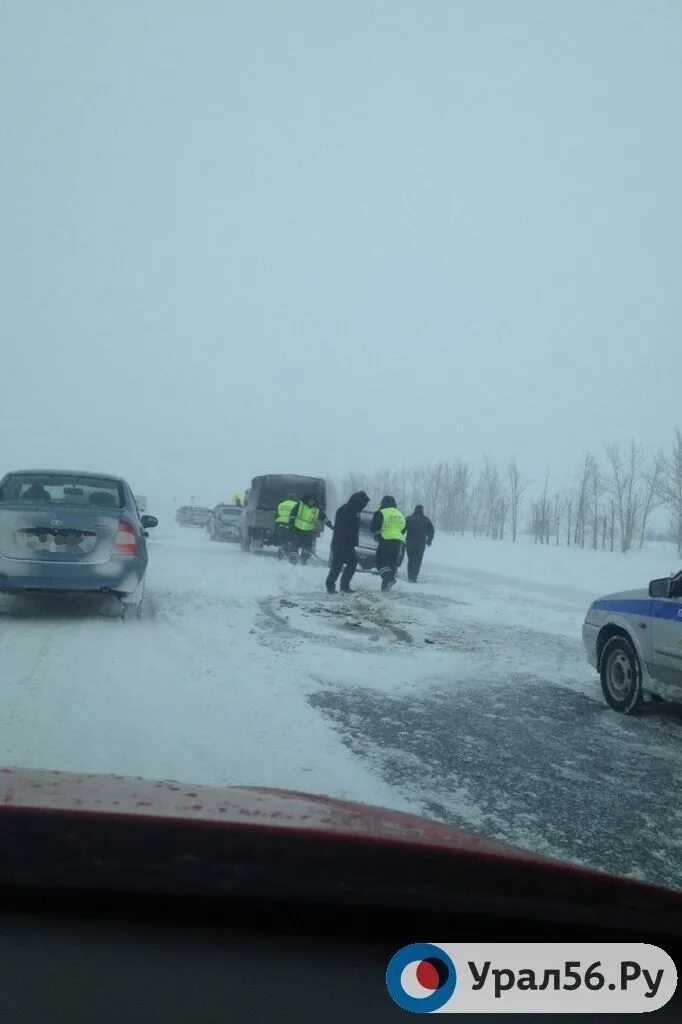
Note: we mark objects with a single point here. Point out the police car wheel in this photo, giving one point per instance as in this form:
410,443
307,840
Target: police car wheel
621,676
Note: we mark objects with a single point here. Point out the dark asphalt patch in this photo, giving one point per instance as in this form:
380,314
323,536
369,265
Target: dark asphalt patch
530,763
353,625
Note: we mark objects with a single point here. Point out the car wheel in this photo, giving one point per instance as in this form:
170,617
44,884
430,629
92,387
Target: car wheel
621,676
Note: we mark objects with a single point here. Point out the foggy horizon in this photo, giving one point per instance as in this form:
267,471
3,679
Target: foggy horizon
246,239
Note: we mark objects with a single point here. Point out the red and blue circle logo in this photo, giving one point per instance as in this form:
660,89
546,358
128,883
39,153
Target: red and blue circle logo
421,977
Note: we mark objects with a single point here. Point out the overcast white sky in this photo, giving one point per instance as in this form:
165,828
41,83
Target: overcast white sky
308,237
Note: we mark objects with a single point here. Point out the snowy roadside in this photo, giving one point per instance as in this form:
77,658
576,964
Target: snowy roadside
584,572
466,697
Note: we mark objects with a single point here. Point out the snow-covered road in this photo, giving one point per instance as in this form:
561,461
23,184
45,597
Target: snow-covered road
466,697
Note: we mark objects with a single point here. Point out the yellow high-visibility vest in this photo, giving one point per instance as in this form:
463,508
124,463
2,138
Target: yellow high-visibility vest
306,517
393,524
284,510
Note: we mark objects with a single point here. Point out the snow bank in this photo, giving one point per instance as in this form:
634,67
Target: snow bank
592,572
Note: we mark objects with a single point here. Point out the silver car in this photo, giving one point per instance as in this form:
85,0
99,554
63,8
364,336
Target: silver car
66,532
366,551
224,523
634,640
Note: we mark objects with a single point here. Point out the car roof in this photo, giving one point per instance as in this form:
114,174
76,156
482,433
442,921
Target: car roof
67,472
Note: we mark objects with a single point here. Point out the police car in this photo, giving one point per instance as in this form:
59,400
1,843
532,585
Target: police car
634,640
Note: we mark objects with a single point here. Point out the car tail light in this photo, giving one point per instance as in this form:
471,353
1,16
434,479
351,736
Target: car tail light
126,539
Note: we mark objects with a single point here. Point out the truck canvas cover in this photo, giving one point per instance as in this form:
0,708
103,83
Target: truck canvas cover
267,491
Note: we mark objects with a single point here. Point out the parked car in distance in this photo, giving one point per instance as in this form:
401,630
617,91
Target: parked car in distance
192,515
223,523
67,532
634,640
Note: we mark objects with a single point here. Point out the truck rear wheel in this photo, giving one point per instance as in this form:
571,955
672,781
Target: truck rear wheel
621,676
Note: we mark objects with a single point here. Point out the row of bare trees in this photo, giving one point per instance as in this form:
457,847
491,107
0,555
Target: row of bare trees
453,497
609,502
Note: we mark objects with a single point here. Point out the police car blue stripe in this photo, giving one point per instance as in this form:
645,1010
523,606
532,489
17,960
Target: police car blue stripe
651,609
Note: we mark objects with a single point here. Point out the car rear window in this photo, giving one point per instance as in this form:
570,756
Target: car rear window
62,489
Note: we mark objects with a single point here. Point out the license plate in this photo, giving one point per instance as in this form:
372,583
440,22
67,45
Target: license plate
57,542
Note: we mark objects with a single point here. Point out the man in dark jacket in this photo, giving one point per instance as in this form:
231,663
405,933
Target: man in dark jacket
419,535
388,525
344,542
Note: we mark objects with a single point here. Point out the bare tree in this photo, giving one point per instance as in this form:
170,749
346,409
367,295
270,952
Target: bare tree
536,524
568,507
401,492
454,495
502,512
416,486
499,518
541,516
581,500
545,511
671,486
596,492
608,504
517,487
437,488
353,482
478,498
625,471
652,495
461,483
385,482
490,479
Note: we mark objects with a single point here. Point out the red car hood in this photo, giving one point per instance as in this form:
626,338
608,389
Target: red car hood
252,807
246,806
60,828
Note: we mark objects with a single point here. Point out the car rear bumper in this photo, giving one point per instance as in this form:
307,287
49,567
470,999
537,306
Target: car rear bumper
226,534
115,576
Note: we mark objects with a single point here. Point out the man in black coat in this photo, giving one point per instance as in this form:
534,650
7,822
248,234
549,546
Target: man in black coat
344,542
419,536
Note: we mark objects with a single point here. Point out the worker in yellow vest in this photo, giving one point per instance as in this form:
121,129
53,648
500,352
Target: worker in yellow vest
237,499
282,529
303,520
388,525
